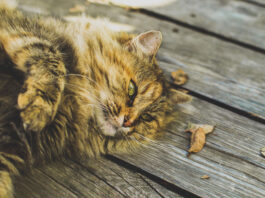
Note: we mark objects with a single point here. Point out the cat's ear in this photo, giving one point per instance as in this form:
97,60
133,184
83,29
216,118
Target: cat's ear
178,97
147,43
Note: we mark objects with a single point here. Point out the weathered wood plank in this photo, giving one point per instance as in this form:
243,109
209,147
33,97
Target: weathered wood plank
163,192
92,178
129,183
237,20
79,180
231,157
220,85
39,185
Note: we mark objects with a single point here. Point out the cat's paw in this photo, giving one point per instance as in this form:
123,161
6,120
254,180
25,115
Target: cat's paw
37,107
36,112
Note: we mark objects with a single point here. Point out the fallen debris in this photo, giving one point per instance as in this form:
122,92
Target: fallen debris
205,177
179,77
198,136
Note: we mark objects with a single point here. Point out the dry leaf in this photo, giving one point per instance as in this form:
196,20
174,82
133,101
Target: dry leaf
193,127
205,177
198,136
77,8
254,114
179,77
262,151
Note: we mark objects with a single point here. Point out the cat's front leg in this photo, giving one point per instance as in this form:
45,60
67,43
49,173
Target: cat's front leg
6,187
42,89
44,69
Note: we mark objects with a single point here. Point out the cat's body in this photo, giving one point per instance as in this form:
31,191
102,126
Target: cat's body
75,90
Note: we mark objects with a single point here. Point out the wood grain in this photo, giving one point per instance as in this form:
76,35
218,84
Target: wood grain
237,20
39,185
129,183
231,157
91,178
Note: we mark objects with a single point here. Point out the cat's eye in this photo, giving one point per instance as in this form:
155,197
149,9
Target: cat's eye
132,90
147,117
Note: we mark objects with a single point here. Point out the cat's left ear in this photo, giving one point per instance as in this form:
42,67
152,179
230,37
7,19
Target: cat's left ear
146,43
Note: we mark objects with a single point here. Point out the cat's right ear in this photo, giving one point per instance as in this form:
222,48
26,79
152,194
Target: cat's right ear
146,43
178,97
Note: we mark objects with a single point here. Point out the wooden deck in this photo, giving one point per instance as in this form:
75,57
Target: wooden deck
221,45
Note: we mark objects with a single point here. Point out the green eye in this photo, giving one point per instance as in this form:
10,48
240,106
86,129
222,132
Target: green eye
147,117
131,89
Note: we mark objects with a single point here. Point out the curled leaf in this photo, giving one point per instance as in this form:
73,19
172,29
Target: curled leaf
198,136
193,127
205,177
179,77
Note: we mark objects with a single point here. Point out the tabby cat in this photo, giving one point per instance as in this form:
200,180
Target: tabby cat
75,90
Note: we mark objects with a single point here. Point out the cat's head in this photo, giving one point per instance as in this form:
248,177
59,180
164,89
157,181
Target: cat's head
135,97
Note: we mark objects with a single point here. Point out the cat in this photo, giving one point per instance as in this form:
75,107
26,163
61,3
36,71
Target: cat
75,90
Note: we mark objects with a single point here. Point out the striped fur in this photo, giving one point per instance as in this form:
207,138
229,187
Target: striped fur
64,91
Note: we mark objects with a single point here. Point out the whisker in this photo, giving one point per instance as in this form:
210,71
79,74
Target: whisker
88,96
95,105
80,75
95,101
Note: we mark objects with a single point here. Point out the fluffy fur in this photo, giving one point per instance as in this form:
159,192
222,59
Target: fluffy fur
64,91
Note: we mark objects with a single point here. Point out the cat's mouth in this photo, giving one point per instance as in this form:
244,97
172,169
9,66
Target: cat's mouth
111,125
114,127
113,130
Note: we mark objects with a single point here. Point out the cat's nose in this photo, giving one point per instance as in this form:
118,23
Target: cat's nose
126,122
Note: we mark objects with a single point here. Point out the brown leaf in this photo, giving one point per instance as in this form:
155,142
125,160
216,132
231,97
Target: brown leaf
179,77
198,136
77,8
193,127
205,177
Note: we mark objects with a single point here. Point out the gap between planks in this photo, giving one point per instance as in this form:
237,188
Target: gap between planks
259,3
222,104
100,178
156,179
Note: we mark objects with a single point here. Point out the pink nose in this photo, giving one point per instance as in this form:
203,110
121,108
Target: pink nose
127,124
